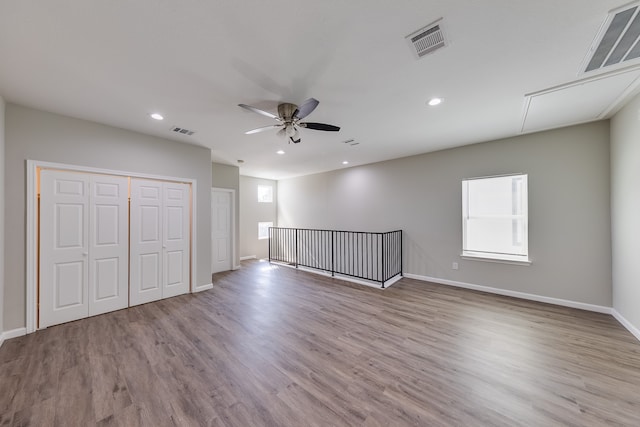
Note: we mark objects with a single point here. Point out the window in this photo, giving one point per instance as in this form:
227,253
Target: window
263,230
494,218
265,194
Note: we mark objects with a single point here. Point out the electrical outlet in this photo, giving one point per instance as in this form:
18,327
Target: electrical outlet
454,266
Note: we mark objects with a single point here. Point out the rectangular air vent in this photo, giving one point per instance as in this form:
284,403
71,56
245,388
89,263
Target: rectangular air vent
182,131
427,39
617,40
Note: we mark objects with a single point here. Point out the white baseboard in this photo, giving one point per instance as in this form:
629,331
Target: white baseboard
14,333
532,297
203,288
244,258
236,267
515,294
393,281
624,322
338,276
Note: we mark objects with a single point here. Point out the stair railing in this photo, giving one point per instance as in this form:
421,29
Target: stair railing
372,256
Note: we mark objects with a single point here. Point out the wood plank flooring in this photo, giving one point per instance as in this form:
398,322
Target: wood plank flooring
272,346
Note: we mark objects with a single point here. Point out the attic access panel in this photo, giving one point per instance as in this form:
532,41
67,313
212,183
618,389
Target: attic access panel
589,99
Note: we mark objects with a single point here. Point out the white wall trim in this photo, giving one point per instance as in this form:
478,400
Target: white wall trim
194,234
32,218
620,318
515,294
89,169
31,222
237,267
13,333
203,287
244,258
233,225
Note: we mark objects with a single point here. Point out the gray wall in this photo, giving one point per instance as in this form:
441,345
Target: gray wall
37,135
2,241
625,209
225,176
253,212
569,216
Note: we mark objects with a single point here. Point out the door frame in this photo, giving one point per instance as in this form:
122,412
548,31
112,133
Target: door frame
32,225
234,265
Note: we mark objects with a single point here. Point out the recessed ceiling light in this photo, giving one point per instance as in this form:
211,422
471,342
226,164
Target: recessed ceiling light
279,152
345,162
156,116
435,101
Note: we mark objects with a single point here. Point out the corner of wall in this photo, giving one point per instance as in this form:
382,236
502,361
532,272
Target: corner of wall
625,202
251,213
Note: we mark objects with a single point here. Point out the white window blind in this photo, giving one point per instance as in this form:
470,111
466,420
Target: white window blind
263,230
495,218
265,194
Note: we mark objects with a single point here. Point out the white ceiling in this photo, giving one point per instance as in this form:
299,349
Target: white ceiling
116,61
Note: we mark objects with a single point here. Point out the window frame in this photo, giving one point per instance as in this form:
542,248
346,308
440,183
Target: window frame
267,228
508,258
270,192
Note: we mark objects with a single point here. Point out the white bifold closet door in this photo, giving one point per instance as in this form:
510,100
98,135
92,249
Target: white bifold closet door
159,240
83,245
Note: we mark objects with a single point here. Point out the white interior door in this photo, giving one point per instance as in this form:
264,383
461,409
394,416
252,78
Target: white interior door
221,230
108,244
176,238
145,241
64,226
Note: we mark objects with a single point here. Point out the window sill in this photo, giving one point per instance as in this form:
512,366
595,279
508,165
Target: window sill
501,260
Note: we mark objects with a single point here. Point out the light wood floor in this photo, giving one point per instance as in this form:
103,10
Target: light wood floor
272,346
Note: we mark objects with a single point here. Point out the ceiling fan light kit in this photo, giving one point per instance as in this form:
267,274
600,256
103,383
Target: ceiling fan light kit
289,118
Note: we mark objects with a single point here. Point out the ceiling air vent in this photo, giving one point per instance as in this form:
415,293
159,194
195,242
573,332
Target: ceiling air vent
182,131
427,39
617,40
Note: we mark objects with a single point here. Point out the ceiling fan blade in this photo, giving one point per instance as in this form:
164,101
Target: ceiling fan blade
306,108
257,110
262,129
319,126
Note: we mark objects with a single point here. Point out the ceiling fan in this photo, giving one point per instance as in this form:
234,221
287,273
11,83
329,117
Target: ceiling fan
289,116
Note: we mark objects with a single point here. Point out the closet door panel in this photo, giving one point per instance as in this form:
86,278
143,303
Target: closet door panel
146,241
176,237
108,244
64,219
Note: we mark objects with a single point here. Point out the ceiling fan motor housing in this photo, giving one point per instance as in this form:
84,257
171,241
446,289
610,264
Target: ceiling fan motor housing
286,110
